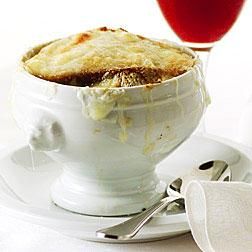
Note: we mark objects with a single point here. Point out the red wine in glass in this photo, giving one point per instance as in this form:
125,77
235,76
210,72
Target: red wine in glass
201,23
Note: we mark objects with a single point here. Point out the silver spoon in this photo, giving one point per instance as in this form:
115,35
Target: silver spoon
216,170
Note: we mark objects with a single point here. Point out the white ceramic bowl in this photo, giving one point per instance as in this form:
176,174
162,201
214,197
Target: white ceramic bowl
108,140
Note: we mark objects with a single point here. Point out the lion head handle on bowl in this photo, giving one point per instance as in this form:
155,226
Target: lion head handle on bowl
46,134
42,130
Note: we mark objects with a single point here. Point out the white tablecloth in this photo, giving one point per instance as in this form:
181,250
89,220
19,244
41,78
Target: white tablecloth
16,235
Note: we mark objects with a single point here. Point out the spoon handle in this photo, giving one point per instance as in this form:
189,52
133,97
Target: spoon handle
128,229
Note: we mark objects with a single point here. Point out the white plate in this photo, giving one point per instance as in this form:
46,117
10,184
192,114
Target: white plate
25,192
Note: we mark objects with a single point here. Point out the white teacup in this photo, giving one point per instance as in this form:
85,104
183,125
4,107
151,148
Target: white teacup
108,140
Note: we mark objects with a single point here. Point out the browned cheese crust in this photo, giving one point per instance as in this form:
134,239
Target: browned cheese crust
108,58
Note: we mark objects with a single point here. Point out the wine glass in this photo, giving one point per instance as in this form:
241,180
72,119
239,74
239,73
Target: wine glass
200,24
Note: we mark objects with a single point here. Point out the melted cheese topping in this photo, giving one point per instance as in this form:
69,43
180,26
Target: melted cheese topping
108,58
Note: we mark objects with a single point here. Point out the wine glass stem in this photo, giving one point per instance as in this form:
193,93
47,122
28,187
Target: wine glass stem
204,56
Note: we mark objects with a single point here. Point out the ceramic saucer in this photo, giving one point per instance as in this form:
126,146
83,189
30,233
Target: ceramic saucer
25,180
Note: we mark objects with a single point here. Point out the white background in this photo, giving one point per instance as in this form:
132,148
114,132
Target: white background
28,22
24,23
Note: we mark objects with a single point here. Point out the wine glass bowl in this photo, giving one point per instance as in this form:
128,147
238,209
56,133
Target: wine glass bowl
201,23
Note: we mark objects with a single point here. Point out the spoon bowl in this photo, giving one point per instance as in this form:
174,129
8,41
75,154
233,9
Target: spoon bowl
216,170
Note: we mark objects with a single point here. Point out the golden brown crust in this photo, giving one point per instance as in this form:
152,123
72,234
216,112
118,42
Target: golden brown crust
82,38
122,58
